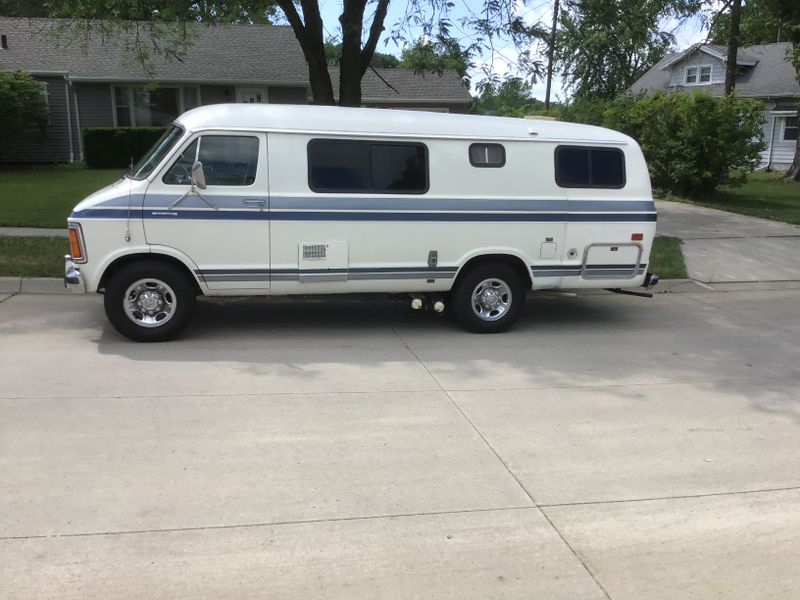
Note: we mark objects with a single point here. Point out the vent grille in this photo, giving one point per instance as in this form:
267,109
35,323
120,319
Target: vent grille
314,251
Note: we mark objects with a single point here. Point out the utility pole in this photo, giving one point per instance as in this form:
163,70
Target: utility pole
550,52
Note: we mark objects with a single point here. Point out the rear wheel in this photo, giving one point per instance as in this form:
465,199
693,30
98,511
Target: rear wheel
489,298
150,301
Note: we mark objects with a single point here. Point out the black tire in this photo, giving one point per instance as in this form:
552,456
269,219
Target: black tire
505,284
171,295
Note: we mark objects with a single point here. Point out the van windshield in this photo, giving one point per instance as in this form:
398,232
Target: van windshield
159,150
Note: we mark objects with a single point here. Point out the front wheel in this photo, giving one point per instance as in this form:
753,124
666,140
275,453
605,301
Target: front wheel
489,298
150,301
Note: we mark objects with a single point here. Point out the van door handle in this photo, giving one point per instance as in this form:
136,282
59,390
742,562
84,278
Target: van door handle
253,202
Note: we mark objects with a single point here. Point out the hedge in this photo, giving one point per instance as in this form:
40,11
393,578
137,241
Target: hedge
108,147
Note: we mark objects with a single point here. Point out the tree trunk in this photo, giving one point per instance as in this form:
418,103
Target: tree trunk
309,34
351,20
733,47
794,170
550,52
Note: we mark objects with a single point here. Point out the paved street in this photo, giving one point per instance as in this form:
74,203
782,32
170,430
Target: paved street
608,447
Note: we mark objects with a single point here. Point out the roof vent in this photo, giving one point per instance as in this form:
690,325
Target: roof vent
3,42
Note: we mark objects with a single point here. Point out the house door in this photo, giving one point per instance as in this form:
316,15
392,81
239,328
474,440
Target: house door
253,95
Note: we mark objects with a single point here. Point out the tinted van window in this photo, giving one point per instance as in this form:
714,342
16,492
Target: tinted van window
589,167
367,167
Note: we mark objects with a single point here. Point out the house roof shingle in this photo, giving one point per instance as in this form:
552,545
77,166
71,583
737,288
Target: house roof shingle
772,76
263,54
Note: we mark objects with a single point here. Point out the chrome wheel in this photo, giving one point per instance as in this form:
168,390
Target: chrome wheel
149,302
491,299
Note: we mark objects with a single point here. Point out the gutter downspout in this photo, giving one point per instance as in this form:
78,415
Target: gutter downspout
69,119
77,120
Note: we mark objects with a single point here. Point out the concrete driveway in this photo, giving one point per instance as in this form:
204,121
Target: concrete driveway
725,247
608,447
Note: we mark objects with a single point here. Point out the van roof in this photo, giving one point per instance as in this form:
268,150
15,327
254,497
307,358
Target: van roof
336,120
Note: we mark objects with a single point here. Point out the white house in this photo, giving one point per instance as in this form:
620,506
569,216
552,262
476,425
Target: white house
762,72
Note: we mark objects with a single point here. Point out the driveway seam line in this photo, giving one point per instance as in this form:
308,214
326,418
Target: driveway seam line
682,497
266,524
524,489
10,295
741,316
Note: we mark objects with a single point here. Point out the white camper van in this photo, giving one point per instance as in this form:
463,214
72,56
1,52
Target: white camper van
460,211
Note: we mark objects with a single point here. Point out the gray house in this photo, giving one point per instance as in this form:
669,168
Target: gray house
91,82
762,72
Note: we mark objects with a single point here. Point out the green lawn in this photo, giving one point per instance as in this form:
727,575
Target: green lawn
764,195
32,256
44,196
666,258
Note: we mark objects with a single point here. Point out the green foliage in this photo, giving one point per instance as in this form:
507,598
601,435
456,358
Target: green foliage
602,47
758,25
584,110
23,106
25,256
510,98
692,142
107,147
666,258
436,56
333,54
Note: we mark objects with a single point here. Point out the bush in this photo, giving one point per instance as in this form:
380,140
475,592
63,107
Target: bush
107,147
23,109
692,142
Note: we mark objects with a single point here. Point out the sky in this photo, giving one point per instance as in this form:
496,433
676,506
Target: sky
686,34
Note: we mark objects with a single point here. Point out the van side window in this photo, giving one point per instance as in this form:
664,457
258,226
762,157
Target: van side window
366,167
589,167
227,160
487,155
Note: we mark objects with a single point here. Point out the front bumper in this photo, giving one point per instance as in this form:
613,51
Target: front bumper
73,280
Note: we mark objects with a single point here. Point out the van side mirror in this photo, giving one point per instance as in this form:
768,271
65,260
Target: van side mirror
198,176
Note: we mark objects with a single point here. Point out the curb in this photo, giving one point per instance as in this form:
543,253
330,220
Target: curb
32,285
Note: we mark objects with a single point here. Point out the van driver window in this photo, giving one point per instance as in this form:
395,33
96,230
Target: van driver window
365,167
589,167
227,160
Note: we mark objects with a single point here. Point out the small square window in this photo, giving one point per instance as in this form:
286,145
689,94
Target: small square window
487,155
705,74
691,75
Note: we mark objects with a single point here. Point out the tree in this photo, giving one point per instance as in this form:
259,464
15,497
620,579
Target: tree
23,108
510,98
758,25
603,46
733,46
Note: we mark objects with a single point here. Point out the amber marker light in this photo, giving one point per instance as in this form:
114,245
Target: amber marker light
75,244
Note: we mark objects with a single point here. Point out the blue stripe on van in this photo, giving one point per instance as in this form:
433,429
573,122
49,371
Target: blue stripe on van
246,215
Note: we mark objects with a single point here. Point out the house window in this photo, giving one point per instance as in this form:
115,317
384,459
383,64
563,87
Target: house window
697,75
487,155
589,167
367,167
790,129
141,106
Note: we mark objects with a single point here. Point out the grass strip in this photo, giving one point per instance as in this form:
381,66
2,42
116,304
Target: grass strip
32,256
666,258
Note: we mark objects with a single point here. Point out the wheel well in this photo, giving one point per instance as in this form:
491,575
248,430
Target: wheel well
123,261
512,261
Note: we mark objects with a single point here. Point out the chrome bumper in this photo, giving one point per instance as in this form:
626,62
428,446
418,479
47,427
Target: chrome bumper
72,277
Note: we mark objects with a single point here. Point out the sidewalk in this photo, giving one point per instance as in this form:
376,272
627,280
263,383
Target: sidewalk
33,231
724,247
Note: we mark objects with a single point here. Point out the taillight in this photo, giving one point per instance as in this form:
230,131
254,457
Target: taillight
76,248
